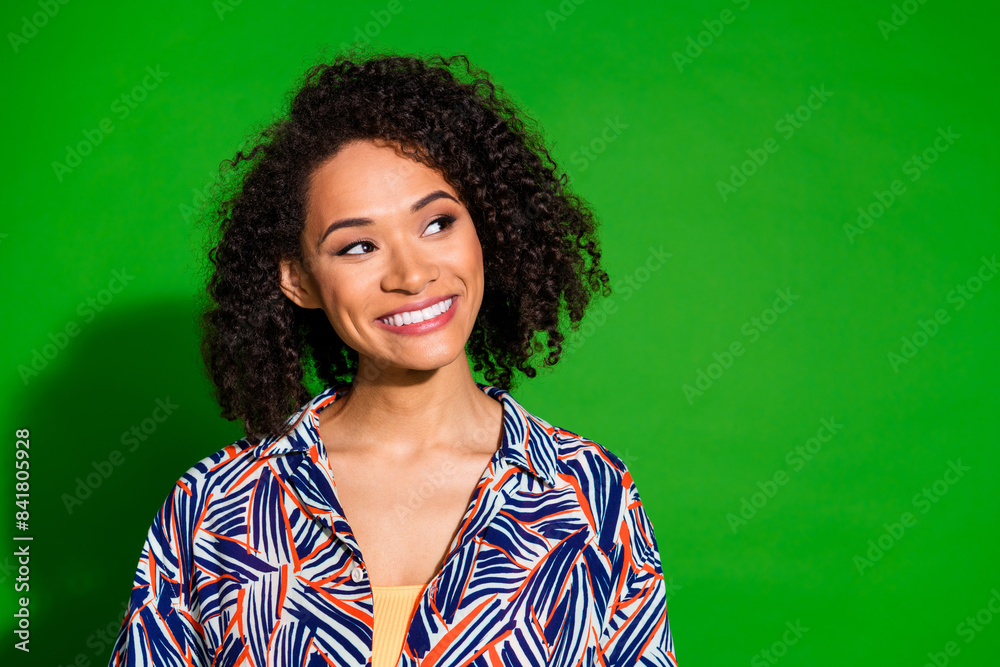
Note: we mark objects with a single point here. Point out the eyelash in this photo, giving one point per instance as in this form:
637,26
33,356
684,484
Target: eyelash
445,220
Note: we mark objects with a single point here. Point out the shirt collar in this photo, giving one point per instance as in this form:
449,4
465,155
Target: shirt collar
528,441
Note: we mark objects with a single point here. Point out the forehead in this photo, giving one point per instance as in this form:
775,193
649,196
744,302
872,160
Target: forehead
369,179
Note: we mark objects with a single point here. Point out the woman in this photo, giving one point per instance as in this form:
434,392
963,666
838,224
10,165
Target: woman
398,224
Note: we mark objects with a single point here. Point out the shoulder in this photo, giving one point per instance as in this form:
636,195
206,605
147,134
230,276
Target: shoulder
601,478
213,475
605,479
580,456
169,539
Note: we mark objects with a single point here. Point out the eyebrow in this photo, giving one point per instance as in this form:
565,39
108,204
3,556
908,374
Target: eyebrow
360,222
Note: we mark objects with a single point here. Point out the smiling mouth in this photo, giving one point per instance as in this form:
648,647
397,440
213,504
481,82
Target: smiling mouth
417,316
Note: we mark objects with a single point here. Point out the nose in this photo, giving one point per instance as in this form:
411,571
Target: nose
409,269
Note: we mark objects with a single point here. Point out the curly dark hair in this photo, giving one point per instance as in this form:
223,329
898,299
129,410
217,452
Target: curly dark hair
258,347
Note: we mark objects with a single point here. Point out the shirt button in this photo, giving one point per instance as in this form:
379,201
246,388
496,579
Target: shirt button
358,574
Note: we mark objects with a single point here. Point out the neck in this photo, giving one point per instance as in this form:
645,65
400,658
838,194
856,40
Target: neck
407,411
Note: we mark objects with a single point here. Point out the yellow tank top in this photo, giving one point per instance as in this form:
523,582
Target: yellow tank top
394,606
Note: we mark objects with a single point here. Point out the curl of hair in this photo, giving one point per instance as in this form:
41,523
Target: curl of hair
540,253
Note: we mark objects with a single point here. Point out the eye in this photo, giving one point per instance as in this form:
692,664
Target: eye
444,222
358,243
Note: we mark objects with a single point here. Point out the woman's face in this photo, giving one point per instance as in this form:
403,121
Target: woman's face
387,235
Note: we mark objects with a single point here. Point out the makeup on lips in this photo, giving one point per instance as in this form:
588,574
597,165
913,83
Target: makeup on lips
435,313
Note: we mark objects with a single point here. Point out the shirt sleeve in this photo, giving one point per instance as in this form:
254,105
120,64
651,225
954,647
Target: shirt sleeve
160,629
637,631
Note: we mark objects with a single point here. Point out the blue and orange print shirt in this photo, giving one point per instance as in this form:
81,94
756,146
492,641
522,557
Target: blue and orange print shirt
251,562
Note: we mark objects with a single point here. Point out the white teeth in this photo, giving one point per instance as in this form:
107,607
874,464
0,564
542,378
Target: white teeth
416,316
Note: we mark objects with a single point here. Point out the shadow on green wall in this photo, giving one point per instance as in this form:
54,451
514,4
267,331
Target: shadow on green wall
115,419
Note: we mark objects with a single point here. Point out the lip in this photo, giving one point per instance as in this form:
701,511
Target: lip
417,305
420,327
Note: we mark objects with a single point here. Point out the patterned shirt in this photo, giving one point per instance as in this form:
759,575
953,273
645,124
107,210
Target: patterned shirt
251,562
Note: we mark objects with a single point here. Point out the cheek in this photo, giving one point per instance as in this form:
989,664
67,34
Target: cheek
462,256
349,298
473,253
344,298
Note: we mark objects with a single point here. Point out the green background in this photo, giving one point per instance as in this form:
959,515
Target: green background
654,184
